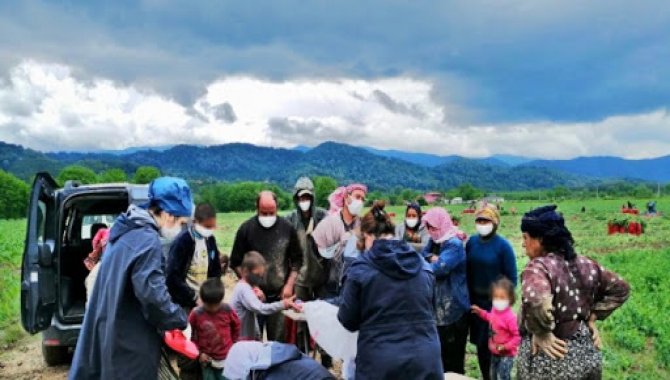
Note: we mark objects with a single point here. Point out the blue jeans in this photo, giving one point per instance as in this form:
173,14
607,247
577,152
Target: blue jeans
501,367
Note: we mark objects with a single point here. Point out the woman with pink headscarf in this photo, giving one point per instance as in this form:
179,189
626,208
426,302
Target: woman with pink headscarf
92,261
446,253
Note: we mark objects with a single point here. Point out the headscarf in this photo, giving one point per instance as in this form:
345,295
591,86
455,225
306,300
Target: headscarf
488,212
338,196
172,195
439,218
100,239
549,225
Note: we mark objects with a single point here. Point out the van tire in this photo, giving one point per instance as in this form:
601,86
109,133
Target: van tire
55,355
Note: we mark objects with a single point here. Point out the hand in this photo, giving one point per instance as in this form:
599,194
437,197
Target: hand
198,302
434,259
550,345
204,358
289,302
288,291
595,334
476,309
259,293
500,348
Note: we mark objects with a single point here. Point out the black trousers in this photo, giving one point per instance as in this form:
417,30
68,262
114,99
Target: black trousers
453,339
479,336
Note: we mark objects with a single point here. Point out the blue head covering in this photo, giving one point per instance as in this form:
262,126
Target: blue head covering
172,195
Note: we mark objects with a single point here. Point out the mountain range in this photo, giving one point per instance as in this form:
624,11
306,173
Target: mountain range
379,169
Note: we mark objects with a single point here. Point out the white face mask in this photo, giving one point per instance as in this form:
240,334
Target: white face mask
411,222
500,305
484,229
305,205
267,221
204,232
170,233
355,207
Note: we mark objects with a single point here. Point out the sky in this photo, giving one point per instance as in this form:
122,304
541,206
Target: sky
551,79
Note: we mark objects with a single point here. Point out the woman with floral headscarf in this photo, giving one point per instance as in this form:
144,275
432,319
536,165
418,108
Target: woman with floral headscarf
446,254
564,294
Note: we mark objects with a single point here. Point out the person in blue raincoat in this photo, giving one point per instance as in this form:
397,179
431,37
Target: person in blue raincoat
130,307
388,298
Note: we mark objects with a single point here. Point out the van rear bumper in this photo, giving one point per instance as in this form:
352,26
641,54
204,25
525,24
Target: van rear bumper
62,335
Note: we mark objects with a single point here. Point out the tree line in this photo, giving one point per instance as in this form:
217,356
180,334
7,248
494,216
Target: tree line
241,196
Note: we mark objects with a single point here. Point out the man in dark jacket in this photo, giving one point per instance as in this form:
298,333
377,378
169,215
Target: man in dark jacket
130,307
304,219
277,241
193,258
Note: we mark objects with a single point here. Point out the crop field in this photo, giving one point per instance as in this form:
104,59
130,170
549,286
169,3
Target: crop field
636,337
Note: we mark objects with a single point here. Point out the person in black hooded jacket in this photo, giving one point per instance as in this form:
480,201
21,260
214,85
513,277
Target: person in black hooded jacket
388,298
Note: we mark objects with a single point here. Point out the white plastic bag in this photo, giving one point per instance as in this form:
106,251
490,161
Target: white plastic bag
328,332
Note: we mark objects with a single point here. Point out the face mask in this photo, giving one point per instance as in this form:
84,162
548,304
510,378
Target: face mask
435,235
267,221
500,305
411,222
305,205
484,229
170,233
355,207
255,280
204,232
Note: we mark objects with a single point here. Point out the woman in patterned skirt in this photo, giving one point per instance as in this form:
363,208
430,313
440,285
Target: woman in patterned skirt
564,294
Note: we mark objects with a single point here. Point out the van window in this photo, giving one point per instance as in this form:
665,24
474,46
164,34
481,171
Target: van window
91,220
41,224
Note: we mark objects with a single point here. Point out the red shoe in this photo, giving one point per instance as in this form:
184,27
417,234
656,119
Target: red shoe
176,340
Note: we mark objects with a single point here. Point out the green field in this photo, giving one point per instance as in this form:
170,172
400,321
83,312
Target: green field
636,337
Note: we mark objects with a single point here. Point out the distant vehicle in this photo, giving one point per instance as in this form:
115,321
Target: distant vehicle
61,224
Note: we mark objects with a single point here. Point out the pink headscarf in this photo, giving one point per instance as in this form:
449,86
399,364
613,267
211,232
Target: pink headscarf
100,239
338,196
439,218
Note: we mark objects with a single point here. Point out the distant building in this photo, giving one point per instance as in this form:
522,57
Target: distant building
493,199
456,201
433,197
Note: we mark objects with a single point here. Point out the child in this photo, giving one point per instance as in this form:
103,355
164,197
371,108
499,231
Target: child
245,299
215,328
505,339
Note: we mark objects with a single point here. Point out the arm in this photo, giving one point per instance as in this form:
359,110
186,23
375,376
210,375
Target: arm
451,255
426,252
515,341
239,249
214,268
537,299
178,259
481,313
251,302
235,326
193,321
148,281
509,263
610,295
349,313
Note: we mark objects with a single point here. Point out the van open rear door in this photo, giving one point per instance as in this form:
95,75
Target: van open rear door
38,284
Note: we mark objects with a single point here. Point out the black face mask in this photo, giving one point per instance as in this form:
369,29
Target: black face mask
255,280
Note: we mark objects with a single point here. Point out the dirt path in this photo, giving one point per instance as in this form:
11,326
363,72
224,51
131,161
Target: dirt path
24,362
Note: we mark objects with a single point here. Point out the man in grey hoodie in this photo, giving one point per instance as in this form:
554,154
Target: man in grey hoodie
306,216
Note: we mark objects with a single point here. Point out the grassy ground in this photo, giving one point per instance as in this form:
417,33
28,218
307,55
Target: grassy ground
636,337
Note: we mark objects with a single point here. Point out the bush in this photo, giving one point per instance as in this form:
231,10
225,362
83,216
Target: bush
77,173
13,196
113,176
241,196
146,174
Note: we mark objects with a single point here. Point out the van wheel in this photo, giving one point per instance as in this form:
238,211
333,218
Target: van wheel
55,355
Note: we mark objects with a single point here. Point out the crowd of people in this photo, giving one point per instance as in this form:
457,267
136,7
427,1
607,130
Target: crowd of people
414,291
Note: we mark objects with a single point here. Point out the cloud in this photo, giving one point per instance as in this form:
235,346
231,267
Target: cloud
50,107
509,61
